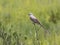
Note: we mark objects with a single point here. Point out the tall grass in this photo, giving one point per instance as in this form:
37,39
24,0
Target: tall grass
17,29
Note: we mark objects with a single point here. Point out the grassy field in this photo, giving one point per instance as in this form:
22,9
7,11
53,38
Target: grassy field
17,29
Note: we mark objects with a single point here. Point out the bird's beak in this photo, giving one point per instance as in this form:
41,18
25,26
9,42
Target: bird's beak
28,14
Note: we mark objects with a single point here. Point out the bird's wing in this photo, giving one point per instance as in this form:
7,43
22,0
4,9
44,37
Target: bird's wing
35,20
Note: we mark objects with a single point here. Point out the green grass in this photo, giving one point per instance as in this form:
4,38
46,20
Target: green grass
17,29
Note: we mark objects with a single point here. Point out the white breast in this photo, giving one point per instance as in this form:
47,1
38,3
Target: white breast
31,16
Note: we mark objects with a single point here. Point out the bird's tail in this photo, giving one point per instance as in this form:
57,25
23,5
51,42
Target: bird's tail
42,26
46,30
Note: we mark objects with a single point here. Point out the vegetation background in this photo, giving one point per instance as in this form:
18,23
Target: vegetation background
17,29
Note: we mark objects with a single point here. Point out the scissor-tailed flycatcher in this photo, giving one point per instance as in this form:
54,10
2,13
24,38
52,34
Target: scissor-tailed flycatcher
34,20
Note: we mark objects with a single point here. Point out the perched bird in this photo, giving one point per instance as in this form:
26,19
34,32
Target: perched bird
35,20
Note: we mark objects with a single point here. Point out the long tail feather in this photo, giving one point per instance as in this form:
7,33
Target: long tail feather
42,26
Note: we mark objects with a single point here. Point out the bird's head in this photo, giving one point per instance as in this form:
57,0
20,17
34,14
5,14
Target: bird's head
30,14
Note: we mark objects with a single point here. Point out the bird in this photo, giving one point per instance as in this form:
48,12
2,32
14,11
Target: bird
35,20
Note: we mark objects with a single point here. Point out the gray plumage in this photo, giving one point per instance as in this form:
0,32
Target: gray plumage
34,19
